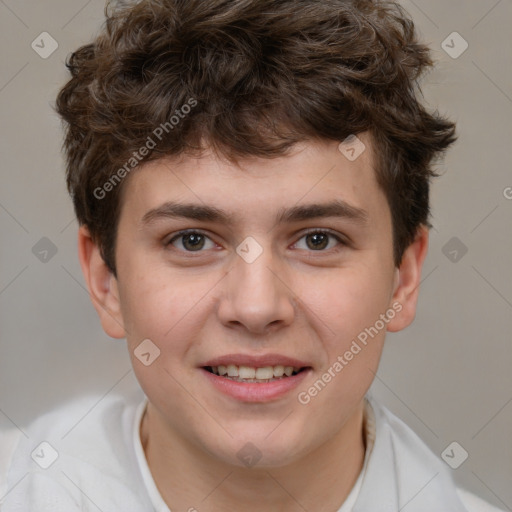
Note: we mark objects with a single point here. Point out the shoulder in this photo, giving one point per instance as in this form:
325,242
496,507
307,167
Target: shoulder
84,444
404,470
9,440
475,504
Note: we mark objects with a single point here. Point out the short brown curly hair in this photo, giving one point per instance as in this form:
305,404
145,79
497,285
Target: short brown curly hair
264,75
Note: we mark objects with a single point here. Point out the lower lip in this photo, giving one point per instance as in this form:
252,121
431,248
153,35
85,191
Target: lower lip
254,392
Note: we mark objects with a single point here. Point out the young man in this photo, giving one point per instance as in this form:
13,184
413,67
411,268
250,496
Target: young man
251,178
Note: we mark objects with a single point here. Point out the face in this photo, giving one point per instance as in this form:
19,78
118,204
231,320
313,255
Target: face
268,266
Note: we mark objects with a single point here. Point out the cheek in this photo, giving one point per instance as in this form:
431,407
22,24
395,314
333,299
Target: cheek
348,301
168,312
163,306
352,305
149,307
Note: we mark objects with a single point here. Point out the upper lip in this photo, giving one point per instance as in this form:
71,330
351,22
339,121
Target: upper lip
254,361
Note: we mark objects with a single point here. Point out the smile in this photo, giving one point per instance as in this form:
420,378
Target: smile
255,384
252,374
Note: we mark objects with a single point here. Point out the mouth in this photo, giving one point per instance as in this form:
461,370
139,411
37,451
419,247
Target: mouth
254,375
255,378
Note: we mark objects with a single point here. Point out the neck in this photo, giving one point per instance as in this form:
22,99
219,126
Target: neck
189,478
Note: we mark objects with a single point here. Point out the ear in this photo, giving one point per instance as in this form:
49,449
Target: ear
407,281
102,285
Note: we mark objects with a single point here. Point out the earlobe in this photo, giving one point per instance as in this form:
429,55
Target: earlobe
102,285
407,281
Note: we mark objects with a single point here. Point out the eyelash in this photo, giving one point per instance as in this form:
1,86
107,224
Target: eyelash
311,231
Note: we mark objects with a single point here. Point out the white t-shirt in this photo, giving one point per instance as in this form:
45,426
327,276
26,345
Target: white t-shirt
68,462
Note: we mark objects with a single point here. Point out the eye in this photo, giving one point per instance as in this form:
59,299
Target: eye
318,240
191,241
315,240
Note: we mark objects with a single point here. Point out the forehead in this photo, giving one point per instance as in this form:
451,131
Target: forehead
313,174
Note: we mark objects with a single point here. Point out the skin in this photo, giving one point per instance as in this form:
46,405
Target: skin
294,299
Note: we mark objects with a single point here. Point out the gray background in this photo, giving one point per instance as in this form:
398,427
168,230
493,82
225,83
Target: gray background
448,375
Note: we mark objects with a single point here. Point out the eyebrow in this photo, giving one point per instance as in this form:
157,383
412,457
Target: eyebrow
337,208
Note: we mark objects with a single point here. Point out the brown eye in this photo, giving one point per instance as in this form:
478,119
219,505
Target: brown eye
190,241
319,240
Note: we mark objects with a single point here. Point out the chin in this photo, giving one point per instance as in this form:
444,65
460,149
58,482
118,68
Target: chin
257,452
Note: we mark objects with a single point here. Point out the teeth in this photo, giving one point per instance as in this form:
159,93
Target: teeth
232,370
244,372
278,371
265,373
288,370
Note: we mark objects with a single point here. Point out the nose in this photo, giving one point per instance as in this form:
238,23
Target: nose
256,296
